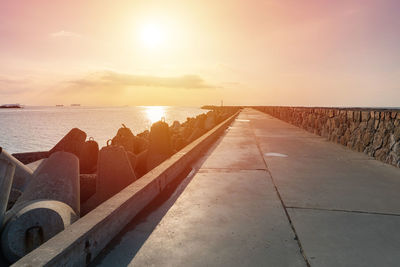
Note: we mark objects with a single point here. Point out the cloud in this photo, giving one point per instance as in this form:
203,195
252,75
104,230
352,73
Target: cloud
62,34
115,80
12,86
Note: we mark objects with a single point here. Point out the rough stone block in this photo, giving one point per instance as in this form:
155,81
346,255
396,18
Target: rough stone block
350,115
388,115
365,115
377,115
357,116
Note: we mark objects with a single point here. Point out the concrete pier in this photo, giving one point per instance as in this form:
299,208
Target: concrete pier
272,194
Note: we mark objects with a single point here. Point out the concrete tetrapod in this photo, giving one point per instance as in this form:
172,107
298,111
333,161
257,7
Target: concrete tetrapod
72,142
88,157
36,165
7,170
56,179
30,224
16,191
114,172
22,174
160,146
49,203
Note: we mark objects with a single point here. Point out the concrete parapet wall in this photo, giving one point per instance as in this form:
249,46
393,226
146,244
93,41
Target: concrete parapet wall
78,244
375,132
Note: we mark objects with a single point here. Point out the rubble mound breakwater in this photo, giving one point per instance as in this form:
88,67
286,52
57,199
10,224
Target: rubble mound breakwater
44,192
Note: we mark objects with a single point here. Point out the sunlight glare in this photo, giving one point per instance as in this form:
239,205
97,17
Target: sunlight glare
155,113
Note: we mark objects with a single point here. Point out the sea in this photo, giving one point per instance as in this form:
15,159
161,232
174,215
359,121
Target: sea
32,129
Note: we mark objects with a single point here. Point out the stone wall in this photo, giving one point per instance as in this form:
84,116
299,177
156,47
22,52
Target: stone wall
375,132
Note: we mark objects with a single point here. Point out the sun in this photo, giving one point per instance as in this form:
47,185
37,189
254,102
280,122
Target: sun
152,35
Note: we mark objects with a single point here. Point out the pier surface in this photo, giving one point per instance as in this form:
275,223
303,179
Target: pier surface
271,194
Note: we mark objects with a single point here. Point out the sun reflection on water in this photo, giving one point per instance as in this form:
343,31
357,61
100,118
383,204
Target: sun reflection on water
155,113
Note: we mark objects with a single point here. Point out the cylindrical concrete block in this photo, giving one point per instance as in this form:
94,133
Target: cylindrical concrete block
7,170
57,179
114,172
22,174
30,224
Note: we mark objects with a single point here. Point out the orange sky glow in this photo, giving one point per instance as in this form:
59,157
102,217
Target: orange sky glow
190,53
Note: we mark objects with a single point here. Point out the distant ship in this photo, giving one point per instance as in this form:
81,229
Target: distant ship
75,105
59,105
11,106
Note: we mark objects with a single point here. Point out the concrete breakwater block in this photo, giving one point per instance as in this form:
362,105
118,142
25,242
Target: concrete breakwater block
22,174
140,164
210,121
57,179
72,142
87,186
114,172
35,166
30,224
29,157
132,159
131,143
88,157
125,138
200,120
16,191
141,144
160,145
13,197
7,170
176,125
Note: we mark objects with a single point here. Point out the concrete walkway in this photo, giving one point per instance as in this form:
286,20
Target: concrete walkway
271,194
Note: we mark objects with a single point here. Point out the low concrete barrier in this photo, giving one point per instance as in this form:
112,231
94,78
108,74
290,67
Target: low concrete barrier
81,242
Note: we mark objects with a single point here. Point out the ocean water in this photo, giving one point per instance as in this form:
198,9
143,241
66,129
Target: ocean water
40,128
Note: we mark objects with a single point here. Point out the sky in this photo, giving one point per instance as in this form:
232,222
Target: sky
191,53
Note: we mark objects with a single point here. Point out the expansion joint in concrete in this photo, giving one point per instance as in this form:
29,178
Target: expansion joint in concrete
205,170
281,200
342,210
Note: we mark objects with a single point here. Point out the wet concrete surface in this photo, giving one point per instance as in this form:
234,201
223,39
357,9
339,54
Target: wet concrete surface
271,194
